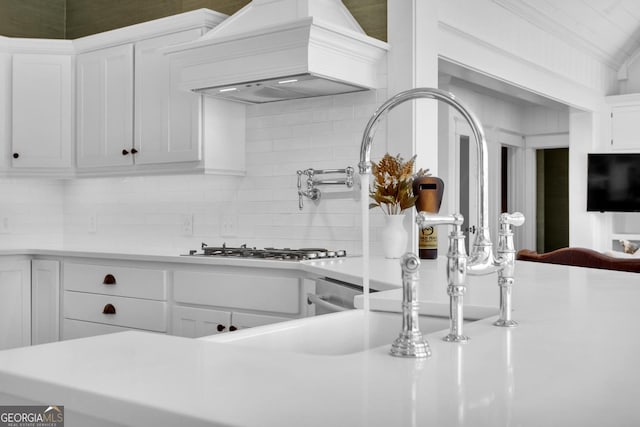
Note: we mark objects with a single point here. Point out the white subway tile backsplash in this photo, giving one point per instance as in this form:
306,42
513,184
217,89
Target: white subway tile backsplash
145,213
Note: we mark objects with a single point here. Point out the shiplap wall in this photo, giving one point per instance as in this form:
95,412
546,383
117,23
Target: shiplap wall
31,213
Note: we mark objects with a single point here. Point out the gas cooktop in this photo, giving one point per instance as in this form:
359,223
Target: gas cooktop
279,254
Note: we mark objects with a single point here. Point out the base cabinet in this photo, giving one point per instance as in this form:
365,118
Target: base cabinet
80,329
213,302
195,322
199,322
45,301
15,303
106,298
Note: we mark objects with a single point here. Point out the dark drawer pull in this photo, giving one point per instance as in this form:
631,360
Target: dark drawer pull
125,152
221,328
109,309
233,328
109,279
134,151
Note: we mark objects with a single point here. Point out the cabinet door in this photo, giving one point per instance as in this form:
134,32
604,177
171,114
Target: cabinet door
248,320
105,107
624,127
259,290
5,108
199,322
45,301
41,111
167,127
15,304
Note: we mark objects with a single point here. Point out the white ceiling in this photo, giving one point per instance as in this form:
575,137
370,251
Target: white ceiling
608,29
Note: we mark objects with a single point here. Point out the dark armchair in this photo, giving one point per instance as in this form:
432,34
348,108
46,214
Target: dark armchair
581,257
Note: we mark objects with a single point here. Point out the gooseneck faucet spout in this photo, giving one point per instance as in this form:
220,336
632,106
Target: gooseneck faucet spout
481,259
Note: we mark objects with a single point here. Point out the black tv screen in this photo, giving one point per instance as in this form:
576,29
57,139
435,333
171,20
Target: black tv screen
613,183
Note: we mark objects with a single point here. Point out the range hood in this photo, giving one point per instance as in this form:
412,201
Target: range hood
274,50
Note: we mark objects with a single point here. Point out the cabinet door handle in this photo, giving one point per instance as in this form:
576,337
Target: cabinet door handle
221,328
232,328
109,309
109,279
125,152
134,151
16,155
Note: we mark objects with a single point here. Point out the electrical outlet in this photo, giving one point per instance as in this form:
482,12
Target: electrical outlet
228,226
92,223
187,224
5,225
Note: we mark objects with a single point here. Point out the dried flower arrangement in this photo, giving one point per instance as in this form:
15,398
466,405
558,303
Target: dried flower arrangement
392,185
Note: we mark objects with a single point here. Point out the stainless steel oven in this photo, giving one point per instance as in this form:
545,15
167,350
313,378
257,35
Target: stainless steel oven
331,296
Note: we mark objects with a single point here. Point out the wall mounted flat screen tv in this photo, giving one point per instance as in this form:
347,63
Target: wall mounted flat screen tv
613,182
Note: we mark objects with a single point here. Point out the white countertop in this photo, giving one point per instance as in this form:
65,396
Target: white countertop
571,362
385,274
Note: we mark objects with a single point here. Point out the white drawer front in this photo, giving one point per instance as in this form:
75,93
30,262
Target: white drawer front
264,293
248,320
115,280
129,312
73,329
199,322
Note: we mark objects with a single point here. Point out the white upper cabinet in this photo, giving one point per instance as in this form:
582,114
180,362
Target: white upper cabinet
625,116
105,107
624,127
167,118
132,115
41,111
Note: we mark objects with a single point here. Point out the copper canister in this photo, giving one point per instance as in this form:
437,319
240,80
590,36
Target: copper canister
429,190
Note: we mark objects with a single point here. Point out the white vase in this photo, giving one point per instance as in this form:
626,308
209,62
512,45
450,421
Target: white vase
394,236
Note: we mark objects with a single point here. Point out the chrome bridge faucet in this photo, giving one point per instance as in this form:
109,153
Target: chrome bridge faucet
456,269
410,342
481,259
507,259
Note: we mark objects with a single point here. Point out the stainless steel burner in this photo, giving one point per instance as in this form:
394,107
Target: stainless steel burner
283,254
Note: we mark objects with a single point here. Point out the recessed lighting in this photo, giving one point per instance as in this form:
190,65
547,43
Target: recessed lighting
228,89
284,82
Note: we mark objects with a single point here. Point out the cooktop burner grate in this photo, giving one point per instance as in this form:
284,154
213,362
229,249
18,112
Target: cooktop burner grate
281,254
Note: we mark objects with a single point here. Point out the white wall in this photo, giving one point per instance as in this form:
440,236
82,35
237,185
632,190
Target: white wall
621,223
485,37
146,213
507,123
31,213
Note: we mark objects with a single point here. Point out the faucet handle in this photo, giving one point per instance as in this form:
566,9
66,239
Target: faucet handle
428,219
516,219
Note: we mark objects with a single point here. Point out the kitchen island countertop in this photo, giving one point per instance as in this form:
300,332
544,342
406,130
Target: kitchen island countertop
570,362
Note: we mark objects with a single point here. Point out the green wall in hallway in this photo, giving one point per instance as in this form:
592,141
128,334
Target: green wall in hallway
72,19
552,220
33,18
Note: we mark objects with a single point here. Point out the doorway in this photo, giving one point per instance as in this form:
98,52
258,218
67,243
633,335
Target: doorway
552,199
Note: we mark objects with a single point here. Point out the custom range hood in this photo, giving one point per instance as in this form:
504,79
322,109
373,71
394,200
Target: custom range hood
273,50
